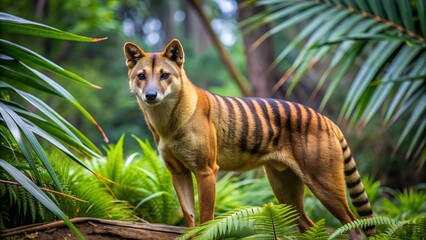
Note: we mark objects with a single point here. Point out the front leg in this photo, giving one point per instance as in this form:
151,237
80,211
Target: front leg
184,187
206,181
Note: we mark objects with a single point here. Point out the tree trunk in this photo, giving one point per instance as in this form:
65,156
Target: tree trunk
194,28
258,59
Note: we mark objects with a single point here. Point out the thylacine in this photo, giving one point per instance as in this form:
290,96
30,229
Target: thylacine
200,132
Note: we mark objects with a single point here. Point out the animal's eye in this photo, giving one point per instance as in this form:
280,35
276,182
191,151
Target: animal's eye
141,76
164,76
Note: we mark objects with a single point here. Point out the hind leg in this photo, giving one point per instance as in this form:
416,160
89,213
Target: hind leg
330,188
289,189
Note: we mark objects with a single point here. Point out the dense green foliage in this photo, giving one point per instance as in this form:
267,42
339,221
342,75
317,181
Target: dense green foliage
22,129
389,36
278,222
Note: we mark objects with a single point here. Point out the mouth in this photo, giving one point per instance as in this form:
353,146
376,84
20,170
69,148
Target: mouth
152,102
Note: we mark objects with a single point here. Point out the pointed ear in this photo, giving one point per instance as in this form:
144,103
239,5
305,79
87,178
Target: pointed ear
133,53
174,52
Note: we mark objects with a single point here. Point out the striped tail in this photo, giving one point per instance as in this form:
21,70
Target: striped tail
356,188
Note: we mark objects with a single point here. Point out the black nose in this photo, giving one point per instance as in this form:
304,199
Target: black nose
151,95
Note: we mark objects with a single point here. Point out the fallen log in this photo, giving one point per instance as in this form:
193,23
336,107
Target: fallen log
94,229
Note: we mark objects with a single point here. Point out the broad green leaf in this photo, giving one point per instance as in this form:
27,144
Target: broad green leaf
292,8
340,52
417,114
363,6
301,16
367,73
405,90
261,16
33,142
80,138
20,141
341,71
13,24
376,7
392,12
309,56
399,64
152,196
41,126
421,8
313,25
13,75
38,194
418,137
408,104
362,37
406,14
26,55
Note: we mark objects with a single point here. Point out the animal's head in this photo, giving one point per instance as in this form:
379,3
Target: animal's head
153,77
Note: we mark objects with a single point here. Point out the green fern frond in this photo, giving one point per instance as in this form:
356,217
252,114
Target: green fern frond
225,224
277,220
413,229
317,232
267,222
363,223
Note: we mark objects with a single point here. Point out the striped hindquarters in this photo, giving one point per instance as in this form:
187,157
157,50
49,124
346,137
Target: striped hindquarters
356,188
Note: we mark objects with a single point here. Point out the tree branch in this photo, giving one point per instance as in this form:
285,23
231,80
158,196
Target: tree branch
223,53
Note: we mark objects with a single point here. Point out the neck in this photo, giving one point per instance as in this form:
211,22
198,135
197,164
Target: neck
174,111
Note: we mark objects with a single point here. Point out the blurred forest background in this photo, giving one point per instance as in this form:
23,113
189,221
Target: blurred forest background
152,24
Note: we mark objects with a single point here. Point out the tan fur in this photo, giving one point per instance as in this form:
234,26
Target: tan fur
199,132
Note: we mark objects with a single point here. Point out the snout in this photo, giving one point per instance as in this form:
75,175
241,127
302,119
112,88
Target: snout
152,96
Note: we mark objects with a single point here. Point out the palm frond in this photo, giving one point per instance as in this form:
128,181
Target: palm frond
19,66
390,38
14,24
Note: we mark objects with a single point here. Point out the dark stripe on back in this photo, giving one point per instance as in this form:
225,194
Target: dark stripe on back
262,105
231,118
345,148
258,130
288,125
299,118
277,120
219,106
360,203
308,122
219,111
319,134
327,127
319,121
244,129
350,171
353,184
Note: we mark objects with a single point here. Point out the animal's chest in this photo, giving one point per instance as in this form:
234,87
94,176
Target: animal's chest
184,146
